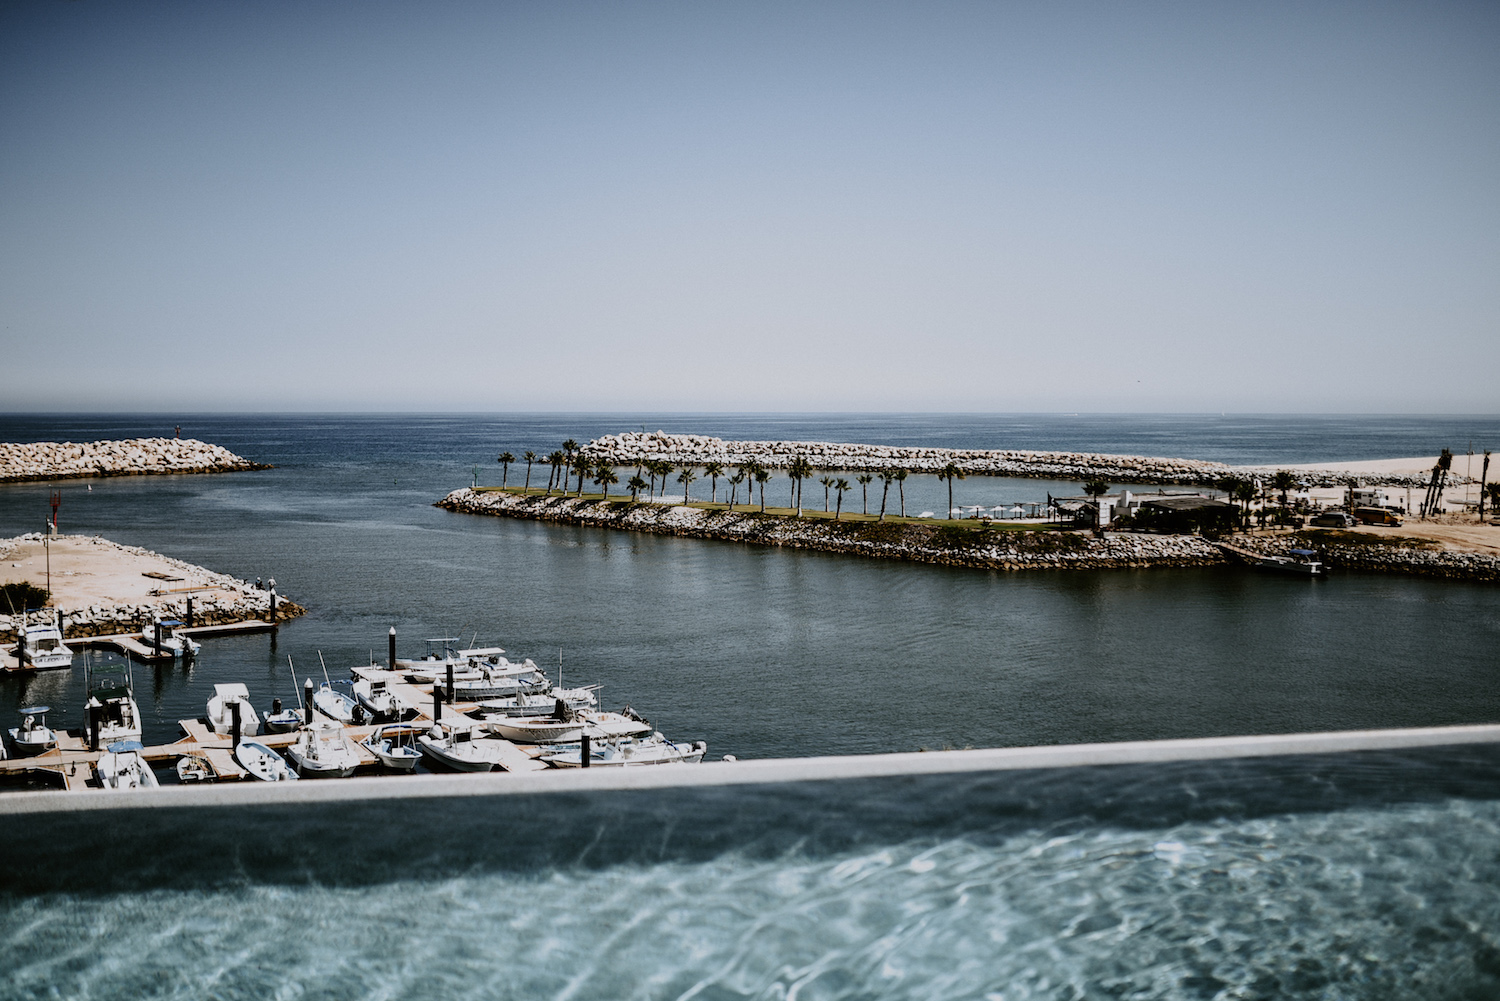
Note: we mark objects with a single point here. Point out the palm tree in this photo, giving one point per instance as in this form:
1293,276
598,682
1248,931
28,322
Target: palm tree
636,485
840,485
1096,489
568,448
798,470
886,476
1284,480
734,486
864,485
581,466
604,476
827,482
664,469
555,459
713,471
762,474
505,460
901,475
1244,492
530,457
949,472
686,478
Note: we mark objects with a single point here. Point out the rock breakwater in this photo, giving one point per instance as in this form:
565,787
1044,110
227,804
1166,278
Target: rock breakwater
1340,551
912,542
57,460
632,447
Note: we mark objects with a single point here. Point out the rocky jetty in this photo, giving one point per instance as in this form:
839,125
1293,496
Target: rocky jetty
1340,550
57,460
913,542
632,447
218,598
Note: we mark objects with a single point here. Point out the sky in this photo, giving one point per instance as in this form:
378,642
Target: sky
750,206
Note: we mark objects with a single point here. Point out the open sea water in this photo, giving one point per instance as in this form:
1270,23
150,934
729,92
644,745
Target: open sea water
763,652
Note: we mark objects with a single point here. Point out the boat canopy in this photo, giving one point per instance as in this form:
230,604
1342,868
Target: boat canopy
1304,553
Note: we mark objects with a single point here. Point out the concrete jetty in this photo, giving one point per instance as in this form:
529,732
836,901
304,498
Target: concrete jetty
59,460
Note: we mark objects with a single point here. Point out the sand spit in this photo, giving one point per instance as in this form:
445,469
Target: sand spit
54,460
102,587
632,447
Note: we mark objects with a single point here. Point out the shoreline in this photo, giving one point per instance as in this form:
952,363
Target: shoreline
1012,549
24,462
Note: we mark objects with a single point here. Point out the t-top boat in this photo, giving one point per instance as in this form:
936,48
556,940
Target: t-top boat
395,746
520,706
122,768
493,679
1303,562
322,751
41,648
221,710
443,653
377,700
33,736
173,640
111,696
625,751
262,762
457,749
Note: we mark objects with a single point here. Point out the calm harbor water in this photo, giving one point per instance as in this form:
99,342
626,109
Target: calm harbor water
769,653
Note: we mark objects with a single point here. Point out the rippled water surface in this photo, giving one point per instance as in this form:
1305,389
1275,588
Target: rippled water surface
1395,902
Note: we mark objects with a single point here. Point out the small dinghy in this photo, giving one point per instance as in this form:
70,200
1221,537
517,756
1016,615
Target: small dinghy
337,705
629,751
33,736
122,768
458,750
395,746
377,700
221,711
262,762
321,751
194,768
280,720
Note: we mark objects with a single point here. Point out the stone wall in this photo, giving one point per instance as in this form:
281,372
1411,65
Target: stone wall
53,460
1421,560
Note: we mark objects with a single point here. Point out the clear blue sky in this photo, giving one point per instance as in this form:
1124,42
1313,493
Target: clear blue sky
750,206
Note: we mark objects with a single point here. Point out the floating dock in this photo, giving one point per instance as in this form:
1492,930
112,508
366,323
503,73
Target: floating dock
134,646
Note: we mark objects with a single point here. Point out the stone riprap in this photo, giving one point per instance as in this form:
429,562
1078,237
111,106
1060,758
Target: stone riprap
1415,558
631,447
220,600
59,460
913,542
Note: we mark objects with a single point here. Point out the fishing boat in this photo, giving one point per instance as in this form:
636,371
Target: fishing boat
458,750
520,706
194,768
122,768
221,711
1302,562
395,746
335,703
442,653
377,700
494,679
537,729
173,640
111,695
627,751
322,751
280,720
624,723
41,648
262,762
33,736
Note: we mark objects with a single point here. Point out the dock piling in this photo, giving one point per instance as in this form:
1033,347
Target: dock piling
437,704
585,751
390,655
96,710
234,723
190,611
156,639
273,604
307,706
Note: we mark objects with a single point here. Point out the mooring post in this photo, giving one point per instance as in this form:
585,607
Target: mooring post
156,638
190,611
59,622
273,605
307,706
21,646
448,692
95,711
437,704
585,752
390,652
234,723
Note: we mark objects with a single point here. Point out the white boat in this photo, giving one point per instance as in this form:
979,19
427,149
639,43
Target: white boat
627,751
537,729
442,653
41,648
221,712
111,695
33,736
322,751
1303,562
495,680
377,700
173,640
262,762
459,750
336,705
621,724
395,746
520,706
122,768
194,768
283,720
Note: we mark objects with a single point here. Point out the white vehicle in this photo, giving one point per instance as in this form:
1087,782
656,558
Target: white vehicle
652,750
221,712
122,768
262,762
33,736
322,751
42,649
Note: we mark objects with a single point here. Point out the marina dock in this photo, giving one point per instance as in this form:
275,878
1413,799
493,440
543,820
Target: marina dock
134,646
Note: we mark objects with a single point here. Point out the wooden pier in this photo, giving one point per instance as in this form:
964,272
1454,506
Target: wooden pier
134,646
71,763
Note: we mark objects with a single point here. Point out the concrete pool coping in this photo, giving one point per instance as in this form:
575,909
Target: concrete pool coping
757,772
